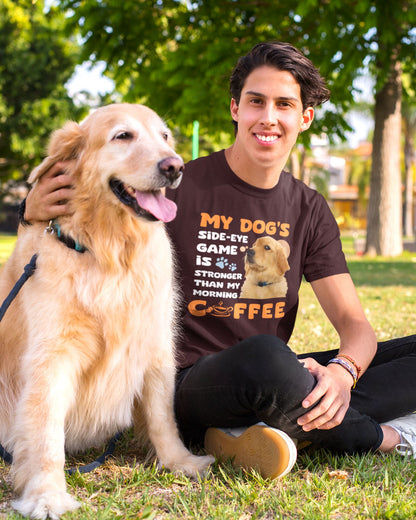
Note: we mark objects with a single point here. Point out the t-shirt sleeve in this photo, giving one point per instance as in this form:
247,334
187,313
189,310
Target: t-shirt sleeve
324,255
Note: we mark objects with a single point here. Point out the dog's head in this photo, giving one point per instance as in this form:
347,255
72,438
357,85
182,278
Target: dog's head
122,153
268,258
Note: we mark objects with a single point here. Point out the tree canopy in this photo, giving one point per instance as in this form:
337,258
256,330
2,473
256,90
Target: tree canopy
177,56
36,60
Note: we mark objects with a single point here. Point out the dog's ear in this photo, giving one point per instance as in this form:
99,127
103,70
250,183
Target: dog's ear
286,247
283,253
65,144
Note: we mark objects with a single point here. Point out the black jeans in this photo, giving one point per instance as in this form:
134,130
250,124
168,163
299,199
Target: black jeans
261,379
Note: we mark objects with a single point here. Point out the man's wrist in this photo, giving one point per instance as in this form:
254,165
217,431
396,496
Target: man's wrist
344,369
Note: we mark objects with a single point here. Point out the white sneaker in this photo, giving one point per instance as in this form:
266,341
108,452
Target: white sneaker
406,428
269,451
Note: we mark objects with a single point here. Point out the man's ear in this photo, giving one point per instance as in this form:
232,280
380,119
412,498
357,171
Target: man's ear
307,118
234,109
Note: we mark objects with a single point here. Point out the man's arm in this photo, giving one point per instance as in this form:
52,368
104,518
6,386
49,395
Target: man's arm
49,198
339,300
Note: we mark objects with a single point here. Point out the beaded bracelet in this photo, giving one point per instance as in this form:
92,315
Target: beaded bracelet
347,367
348,358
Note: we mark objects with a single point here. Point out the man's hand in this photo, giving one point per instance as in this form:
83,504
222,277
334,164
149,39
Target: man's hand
50,196
339,300
333,393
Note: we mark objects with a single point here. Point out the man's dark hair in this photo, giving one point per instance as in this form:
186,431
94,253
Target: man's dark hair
282,56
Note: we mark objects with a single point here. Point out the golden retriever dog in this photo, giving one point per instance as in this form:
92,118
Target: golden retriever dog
265,266
87,347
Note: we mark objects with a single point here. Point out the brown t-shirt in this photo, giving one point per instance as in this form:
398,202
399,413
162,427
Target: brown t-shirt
242,252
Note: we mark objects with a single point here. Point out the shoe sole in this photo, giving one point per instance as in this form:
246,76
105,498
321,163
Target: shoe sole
269,451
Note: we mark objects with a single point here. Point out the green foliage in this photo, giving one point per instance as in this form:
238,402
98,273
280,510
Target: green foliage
177,55
359,175
320,180
7,243
36,60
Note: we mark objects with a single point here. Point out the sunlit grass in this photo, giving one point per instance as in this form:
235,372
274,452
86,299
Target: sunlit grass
6,246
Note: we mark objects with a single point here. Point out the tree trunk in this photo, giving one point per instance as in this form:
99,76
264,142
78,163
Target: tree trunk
409,153
384,226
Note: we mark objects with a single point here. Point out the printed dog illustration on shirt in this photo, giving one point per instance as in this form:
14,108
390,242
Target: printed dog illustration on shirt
265,266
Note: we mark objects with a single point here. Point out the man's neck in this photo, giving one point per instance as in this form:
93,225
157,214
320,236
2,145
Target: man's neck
259,176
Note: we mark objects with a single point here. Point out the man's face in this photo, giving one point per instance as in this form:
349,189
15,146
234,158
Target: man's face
270,116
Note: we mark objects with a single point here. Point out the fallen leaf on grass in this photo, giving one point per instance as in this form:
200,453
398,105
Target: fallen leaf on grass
339,474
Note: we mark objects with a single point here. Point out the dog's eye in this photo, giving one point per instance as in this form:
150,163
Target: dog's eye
267,248
123,135
165,136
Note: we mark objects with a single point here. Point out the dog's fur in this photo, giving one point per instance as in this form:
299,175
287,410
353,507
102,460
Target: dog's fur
89,341
265,266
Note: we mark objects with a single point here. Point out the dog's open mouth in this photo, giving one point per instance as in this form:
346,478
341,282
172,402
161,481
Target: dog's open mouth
152,205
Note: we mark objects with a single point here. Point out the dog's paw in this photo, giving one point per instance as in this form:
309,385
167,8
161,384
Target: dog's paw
192,465
47,505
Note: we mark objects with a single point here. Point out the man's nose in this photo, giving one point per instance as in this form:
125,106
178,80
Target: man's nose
269,114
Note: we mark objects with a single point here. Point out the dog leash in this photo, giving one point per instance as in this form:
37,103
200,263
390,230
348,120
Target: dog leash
5,455
100,460
28,271
86,468
30,268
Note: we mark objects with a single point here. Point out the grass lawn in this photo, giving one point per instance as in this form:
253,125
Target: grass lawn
6,246
321,485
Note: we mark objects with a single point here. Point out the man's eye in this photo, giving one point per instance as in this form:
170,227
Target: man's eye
124,135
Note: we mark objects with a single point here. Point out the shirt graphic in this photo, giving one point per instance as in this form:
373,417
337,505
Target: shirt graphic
231,264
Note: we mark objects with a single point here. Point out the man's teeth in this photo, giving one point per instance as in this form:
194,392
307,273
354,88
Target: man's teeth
267,138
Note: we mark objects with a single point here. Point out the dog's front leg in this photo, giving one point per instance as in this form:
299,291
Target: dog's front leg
39,447
157,403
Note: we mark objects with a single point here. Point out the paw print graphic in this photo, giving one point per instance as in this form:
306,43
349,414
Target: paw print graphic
222,262
232,267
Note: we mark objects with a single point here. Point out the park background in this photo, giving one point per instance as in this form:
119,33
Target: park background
61,58
176,56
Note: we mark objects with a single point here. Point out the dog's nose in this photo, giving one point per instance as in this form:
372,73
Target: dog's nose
250,254
171,168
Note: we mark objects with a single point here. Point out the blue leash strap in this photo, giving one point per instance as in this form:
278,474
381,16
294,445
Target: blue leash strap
100,460
5,455
8,458
27,273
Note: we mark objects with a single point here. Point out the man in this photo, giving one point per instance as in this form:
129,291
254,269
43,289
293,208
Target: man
235,369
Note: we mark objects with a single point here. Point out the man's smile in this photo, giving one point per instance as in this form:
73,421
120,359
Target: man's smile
267,138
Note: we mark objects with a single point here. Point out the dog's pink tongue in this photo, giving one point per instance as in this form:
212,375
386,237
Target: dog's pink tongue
157,204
